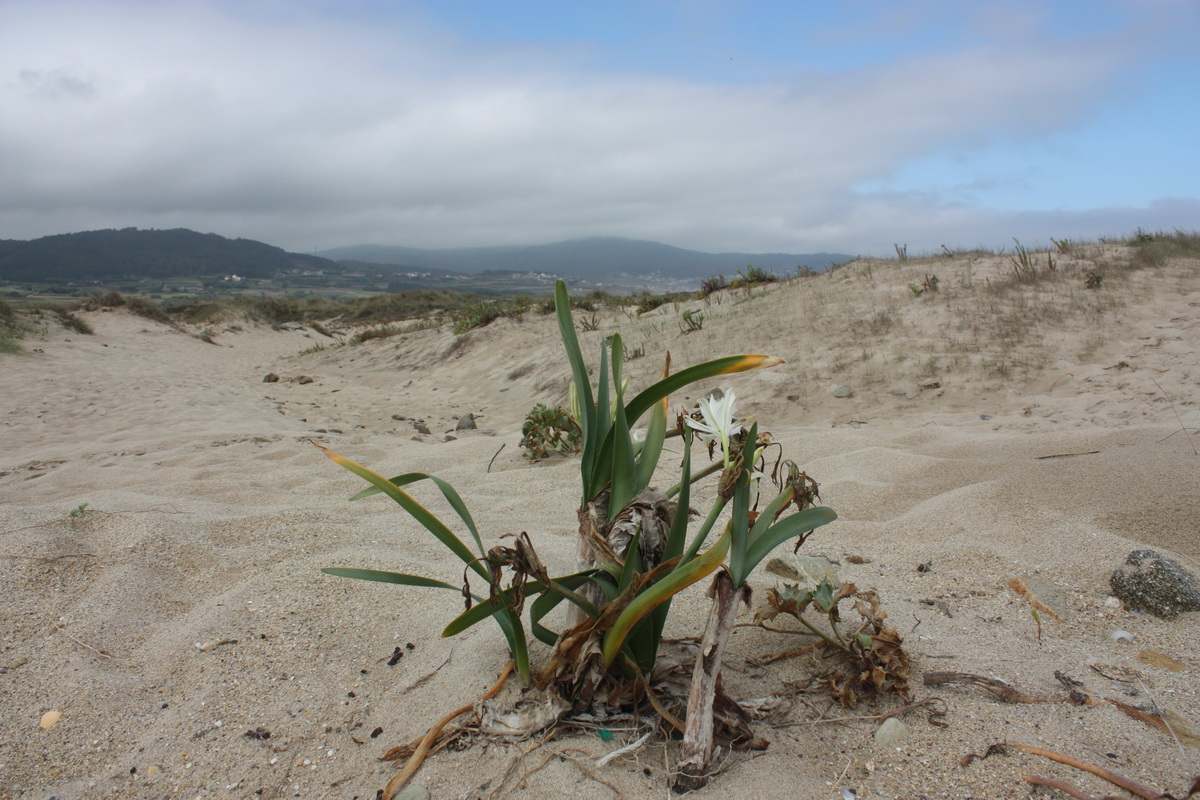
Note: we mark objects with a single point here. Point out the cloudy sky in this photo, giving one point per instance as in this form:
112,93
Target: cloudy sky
717,125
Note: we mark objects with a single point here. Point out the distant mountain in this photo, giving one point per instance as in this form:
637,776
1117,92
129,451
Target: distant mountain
182,253
129,252
599,260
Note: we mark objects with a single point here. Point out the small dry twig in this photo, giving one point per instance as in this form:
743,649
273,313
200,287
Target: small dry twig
1177,417
82,643
1000,689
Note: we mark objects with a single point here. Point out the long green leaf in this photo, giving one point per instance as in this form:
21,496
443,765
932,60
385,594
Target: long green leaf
706,526
679,524
417,511
652,446
634,409
518,645
739,524
676,581
548,601
583,386
676,538
624,469
384,576
602,419
787,528
489,606
667,386
767,517
448,491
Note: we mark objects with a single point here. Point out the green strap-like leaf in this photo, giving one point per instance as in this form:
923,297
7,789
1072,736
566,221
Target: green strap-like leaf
489,606
597,477
706,526
448,491
418,512
518,645
767,517
679,524
676,538
676,581
787,528
624,469
602,419
652,446
667,386
547,602
383,576
583,386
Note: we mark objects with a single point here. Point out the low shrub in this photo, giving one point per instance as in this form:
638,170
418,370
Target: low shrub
549,429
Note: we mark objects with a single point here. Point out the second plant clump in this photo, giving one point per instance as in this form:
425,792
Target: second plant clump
637,551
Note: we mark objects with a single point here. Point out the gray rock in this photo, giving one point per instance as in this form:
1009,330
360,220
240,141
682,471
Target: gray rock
420,426
1151,582
291,326
414,792
270,377
843,391
932,383
898,392
303,379
466,422
891,731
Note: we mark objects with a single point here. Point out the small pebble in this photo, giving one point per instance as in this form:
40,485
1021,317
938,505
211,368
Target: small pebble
1122,636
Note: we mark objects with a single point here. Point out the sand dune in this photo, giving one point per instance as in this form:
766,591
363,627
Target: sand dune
997,430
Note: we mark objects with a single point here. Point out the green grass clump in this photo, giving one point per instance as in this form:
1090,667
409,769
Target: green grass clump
479,315
72,322
752,276
134,304
1155,249
714,284
376,332
13,328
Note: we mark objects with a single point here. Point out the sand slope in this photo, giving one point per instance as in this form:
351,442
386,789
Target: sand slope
184,607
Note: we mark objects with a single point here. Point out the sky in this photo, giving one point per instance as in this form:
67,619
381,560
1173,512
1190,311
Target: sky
743,125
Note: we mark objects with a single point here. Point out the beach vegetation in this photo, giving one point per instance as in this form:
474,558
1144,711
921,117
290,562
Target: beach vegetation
710,285
134,304
375,332
12,328
638,546
691,321
550,429
752,276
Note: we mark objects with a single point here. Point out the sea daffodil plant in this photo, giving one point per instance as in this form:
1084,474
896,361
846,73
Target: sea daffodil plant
636,551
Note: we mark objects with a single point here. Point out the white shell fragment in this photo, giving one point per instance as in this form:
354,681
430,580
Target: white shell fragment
1122,636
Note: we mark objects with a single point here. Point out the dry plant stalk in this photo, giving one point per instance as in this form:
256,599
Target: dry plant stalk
418,758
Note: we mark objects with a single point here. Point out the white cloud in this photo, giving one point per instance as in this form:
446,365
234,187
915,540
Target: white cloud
316,132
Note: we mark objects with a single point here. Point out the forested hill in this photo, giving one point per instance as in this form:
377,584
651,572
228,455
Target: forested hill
605,259
130,252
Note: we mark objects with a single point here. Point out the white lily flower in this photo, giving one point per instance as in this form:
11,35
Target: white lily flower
719,422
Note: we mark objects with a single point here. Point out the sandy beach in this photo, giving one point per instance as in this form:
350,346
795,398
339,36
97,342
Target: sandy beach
179,623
